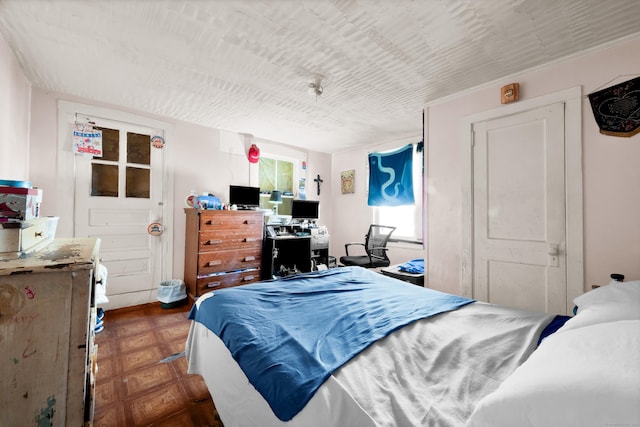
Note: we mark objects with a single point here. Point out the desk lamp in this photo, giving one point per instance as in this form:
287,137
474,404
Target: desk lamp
276,199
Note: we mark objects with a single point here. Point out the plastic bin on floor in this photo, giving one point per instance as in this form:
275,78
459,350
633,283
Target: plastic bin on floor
172,293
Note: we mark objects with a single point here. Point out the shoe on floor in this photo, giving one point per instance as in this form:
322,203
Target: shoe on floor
99,326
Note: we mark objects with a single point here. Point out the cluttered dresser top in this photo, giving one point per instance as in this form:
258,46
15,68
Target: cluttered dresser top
61,254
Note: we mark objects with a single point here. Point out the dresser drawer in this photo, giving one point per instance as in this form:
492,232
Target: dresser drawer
27,236
231,221
215,240
220,261
227,280
222,248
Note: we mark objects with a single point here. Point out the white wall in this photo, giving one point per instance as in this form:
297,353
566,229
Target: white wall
351,214
195,159
15,97
611,168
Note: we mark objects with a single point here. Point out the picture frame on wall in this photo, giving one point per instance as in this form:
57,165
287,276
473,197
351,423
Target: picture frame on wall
347,181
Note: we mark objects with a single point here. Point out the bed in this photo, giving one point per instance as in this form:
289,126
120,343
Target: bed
350,347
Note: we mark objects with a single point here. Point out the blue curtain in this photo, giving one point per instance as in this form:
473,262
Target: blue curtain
391,178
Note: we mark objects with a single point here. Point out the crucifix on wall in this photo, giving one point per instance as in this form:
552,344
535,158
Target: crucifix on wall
318,181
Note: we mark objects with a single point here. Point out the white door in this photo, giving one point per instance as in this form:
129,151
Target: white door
117,197
519,242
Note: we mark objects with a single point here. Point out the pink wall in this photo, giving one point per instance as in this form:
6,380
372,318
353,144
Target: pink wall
15,98
611,168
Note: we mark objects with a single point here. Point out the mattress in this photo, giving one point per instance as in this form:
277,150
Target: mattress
431,372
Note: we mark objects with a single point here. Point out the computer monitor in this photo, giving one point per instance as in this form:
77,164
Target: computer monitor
304,209
244,197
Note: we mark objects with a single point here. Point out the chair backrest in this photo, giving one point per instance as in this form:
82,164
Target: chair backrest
377,237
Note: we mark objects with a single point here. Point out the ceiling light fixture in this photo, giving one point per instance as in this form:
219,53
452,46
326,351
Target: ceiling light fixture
314,88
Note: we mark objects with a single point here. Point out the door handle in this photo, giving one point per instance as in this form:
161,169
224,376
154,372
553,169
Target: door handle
553,250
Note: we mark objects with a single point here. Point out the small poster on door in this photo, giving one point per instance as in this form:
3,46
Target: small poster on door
87,140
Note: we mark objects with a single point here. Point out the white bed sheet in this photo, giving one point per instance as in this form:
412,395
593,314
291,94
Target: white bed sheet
583,377
239,403
430,373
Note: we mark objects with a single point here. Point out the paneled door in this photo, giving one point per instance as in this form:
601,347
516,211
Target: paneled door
117,197
519,244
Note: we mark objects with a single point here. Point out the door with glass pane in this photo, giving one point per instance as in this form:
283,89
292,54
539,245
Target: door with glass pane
117,197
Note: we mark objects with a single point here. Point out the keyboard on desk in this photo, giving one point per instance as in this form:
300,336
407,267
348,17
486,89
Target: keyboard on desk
285,236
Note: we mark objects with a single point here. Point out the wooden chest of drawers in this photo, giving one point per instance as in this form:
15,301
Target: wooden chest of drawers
47,324
222,249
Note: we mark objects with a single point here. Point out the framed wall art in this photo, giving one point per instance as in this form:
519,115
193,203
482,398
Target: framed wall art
347,181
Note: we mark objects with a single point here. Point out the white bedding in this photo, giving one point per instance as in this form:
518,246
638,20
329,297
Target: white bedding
587,374
430,373
579,377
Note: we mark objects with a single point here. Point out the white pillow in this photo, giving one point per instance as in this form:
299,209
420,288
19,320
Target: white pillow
586,377
616,301
613,293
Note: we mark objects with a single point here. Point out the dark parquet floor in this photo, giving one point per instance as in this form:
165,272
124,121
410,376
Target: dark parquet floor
133,386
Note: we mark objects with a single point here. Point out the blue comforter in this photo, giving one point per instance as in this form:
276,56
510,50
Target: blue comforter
289,336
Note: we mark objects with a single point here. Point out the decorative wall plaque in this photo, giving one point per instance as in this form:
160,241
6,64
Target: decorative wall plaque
347,181
617,108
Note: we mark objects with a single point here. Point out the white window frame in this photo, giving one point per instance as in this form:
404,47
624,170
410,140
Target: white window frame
270,151
296,170
295,157
294,166
388,215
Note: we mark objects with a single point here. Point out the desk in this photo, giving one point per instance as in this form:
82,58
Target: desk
293,252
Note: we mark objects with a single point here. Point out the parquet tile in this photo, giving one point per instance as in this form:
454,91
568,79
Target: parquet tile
133,388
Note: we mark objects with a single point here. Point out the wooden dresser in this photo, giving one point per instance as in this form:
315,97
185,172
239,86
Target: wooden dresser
47,321
222,249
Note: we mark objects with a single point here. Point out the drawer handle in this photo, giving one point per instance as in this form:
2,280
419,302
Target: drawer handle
214,263
251,239
249,258
214,284
213,242
250,222
247,278
38,234
212,222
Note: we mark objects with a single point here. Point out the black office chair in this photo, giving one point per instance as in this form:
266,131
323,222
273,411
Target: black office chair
375,246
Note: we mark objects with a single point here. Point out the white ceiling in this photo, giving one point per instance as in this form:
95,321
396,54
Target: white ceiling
244,65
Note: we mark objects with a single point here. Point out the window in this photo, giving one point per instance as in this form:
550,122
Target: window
406,219
134,170
274,174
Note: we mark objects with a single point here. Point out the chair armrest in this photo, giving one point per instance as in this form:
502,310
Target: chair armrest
346,246
371,255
